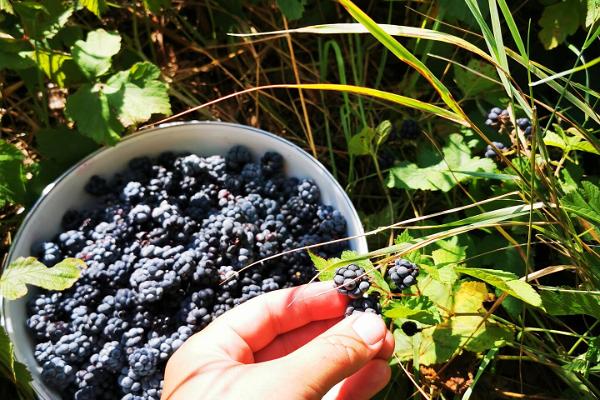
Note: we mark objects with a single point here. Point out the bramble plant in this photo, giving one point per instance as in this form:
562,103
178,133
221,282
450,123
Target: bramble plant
465,132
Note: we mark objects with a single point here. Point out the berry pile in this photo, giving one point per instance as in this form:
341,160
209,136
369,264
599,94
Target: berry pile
165,244
402,274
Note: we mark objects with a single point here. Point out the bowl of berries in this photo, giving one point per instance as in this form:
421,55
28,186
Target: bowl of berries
176,225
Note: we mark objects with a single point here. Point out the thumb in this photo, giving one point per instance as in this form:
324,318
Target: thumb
333,356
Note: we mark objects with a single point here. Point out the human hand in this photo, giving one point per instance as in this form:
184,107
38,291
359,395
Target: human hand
287,344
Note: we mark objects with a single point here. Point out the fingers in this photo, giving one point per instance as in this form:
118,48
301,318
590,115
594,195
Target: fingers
330,357
364,384
262,319
284,344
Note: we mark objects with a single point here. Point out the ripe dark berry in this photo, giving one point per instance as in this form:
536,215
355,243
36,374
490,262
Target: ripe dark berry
365,304
271,163
351,281
57,373
409,328
143,361
489,151
402,275
498,118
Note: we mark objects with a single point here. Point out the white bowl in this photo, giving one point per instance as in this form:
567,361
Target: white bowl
203,138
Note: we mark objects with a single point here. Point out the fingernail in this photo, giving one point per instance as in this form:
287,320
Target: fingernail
370,328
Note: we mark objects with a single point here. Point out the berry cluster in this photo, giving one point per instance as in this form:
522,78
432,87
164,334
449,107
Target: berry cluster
352,281
499,119
165,246
402,274
489,151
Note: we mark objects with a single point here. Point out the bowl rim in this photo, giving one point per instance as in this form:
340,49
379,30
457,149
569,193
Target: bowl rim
359,236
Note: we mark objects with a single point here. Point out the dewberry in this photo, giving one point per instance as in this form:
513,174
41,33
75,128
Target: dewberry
351,280
409,328
489,151
402,274
368,304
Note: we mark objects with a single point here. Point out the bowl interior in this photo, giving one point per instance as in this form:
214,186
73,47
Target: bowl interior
203,138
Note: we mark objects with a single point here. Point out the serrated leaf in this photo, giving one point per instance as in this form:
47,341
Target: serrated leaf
292,9
136,94
584,202
95,6
558,21
322,265
592,13
29,271
94,55
445,274
441,176
16,372
587,360
472,84
90,110
505,281
571,302
416,308
360,144
568,143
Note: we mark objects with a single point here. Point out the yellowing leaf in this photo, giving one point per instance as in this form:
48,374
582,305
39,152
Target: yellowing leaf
95,6
28,271
506,282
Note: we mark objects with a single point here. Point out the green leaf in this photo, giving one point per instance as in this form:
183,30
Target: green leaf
472,84
564,301
154,6
457,11
136,94
90,109
559,21
16,372
43,21
322,265
584,202
593,12
292,9
587,360
15,60
30,271
12,171
434,346
416,308
568,143
360,144
64,145
6,6
505,281
95,6
382,132
94,55
441,176
52,63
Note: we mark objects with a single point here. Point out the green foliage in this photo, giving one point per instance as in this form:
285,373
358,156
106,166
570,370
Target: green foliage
443,175
568,141
95,6
417,308
567,301
472,81
12,171
93,56
16,372
563,19
28,271
292,9
368,140
584,202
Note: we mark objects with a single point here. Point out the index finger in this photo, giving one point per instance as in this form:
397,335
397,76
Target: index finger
260,320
